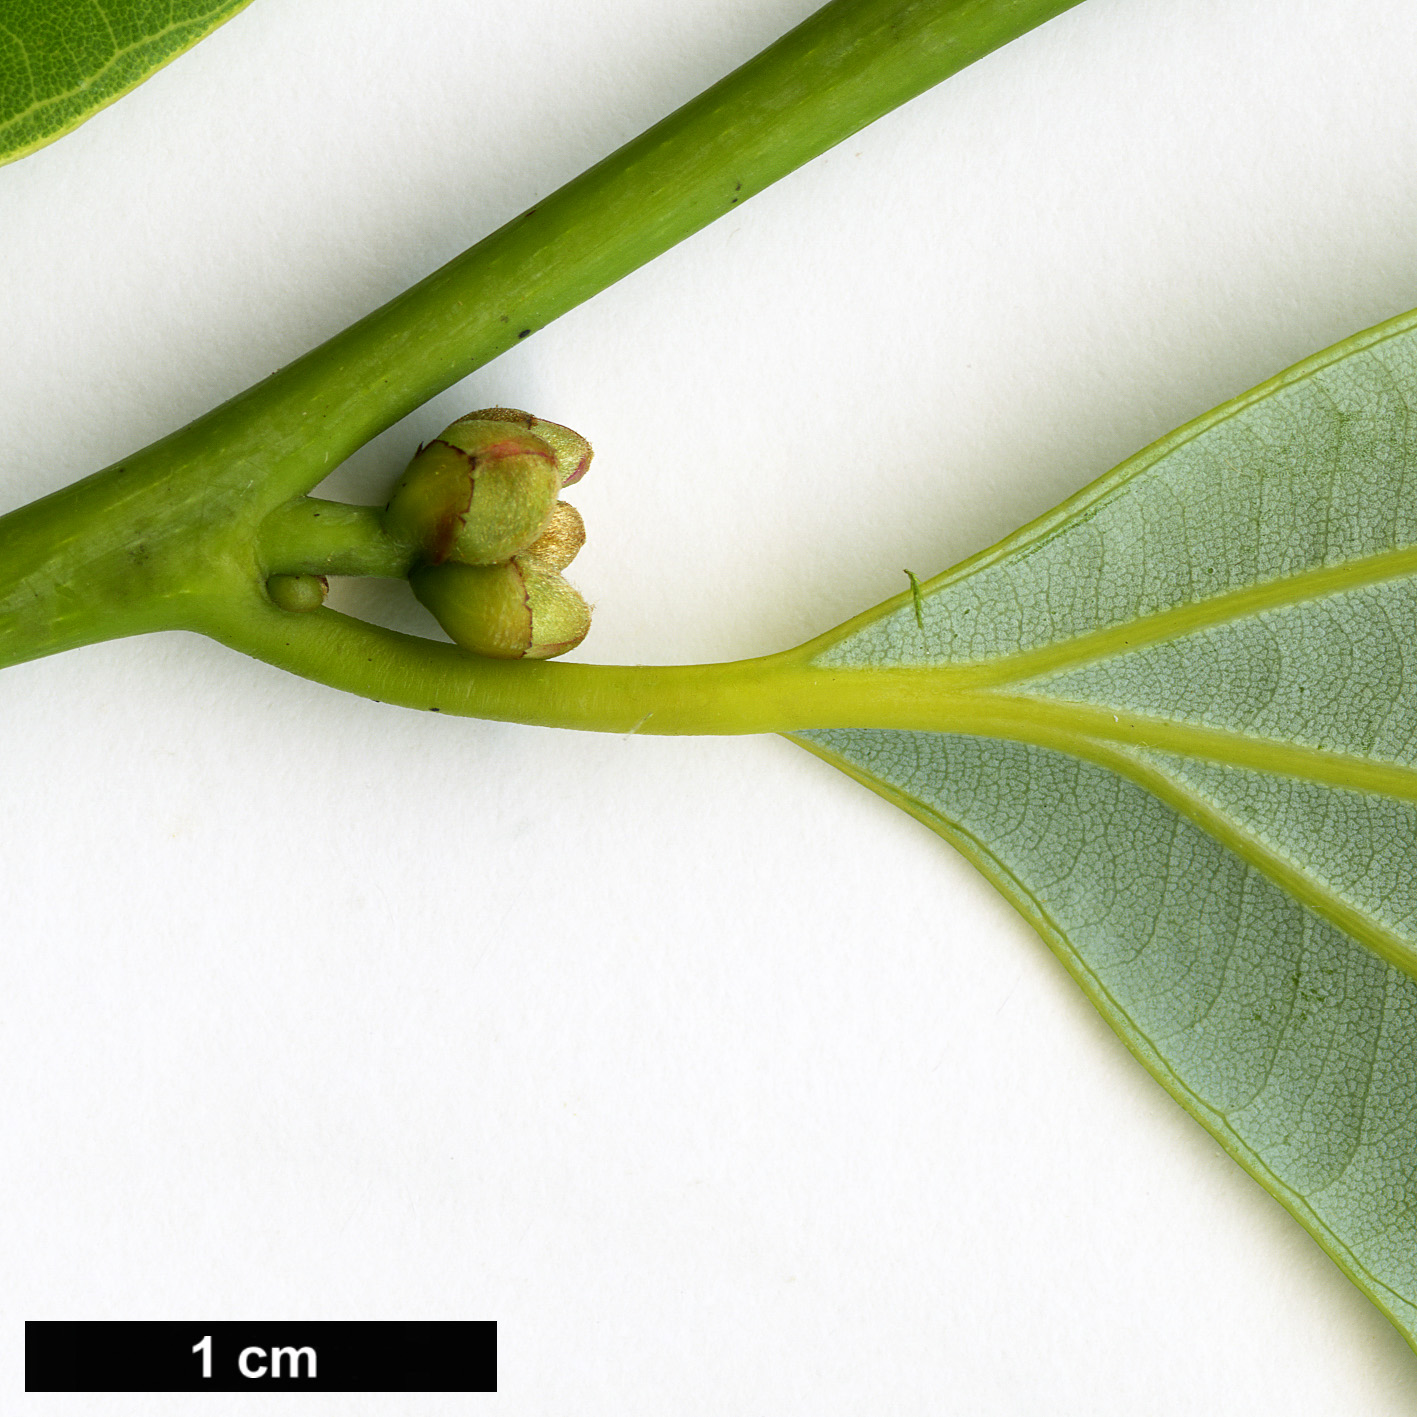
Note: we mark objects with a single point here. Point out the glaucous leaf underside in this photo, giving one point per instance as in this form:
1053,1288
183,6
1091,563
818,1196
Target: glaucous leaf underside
59,64
1203,792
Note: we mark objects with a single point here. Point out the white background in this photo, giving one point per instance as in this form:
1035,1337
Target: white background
722,1085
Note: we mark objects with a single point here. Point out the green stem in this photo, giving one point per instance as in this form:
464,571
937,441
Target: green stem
844,67
173,536
766,695
310,536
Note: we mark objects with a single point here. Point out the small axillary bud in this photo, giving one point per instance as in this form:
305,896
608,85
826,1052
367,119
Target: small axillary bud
478,493
521,609
297,592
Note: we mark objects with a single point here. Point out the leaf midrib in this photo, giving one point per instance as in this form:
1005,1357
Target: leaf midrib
930,700
1048,721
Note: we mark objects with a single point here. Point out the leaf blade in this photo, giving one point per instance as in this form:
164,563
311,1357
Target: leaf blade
1015,838
1188,755
58,67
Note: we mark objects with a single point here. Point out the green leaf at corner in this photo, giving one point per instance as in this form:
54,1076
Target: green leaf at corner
1188,699
63,60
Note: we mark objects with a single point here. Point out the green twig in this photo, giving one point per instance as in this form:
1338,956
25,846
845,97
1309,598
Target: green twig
184,534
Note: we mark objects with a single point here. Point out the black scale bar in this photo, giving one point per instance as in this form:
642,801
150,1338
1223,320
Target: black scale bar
232,1357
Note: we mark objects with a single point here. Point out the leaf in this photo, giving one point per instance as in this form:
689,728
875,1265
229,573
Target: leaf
1191,696
59,64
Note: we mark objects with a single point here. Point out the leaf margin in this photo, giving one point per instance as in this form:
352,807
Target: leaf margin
1114,479
102,95
1035,914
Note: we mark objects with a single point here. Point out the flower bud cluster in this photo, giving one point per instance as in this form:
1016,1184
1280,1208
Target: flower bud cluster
480,506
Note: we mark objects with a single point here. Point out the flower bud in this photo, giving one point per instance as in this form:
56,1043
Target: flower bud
477,493
518,610
298,592
556,547
573,453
